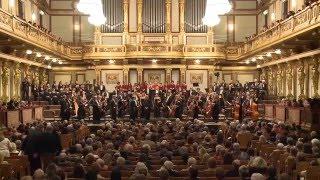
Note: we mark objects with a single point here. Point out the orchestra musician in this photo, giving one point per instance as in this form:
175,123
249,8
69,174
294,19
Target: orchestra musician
113,108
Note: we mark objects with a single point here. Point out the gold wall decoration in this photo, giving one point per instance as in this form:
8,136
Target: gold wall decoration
168,75
315,77
125,75
98,72
183,75
126,16
112,78
16,80
270,87
140,73
168,23
154,78
301,78
140,2
279,81
5,74
196,78
289,80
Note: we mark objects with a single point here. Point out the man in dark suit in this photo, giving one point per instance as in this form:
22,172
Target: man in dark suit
179,109
113,108
146,108
25,89
133,108
96,110
65,110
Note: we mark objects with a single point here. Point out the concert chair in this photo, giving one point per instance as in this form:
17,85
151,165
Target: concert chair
244,140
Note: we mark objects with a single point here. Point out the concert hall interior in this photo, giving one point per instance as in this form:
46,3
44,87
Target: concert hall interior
159,89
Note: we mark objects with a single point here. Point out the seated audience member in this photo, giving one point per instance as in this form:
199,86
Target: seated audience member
169,166
193,173
163,174
39,174
116,171
257,176
5,145
219,173
79,171
234,172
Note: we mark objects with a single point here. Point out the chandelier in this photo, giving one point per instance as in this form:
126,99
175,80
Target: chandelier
214,8
94,9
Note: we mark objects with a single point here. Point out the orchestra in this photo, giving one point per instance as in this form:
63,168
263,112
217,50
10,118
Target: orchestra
157,100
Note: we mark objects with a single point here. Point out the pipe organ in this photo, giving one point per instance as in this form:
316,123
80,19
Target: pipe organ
113,10
154,16
194,12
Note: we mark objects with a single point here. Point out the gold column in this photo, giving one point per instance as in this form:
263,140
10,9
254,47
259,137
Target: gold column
5,74
140,16
210,35
301,78
125,21
126,16
97,35
210,77
125,75
315,77
181,24
274,81
263,74
289,80
16,80
280,80
140,74
36,76
168,21
269,77
181,5
98,73
183,75
168,75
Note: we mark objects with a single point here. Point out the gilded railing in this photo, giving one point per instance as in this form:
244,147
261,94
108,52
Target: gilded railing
302,21
20,29
159,51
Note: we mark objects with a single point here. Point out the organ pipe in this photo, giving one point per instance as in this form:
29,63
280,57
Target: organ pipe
113,10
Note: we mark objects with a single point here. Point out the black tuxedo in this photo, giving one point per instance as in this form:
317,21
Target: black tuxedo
96,111
133,110
65,110
113,109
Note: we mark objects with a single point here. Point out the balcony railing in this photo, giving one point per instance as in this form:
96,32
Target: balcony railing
300,22
159,51
20,29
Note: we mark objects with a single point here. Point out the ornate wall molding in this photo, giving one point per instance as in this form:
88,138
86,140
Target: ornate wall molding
5,75
315,76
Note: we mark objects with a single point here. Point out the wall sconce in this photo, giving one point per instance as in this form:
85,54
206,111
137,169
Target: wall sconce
230,27
33,17
76,27
273,16
11,3
265,12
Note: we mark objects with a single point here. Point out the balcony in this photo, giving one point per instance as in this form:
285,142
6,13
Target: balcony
303,21
17,28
